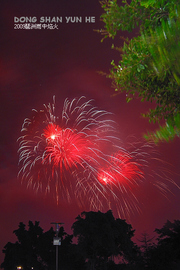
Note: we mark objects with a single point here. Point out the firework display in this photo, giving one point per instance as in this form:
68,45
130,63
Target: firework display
79,154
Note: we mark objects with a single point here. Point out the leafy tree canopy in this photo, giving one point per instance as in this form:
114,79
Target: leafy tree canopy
149,66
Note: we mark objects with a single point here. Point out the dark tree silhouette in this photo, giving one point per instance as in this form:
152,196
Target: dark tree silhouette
34,248
166,254
146,246
70,257
103,243
100,237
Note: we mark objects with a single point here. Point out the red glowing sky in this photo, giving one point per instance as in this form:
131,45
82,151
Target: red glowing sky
37,64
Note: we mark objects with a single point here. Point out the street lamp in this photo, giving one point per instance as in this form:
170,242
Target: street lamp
57,240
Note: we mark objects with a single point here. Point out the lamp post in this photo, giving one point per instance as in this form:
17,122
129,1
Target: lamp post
57,240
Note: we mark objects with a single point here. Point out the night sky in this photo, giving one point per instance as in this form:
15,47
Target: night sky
35,65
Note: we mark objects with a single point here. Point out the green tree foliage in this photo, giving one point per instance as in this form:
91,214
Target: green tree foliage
167,132
149,66
100,237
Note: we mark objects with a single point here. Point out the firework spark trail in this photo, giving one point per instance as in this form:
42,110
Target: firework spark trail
51,147
114,183
79,153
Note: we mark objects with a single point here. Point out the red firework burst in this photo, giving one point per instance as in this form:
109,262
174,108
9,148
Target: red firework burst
53,149
122,170
51,132
66,147
78,155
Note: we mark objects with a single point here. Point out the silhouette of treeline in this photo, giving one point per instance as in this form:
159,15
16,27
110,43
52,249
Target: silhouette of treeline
101,242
